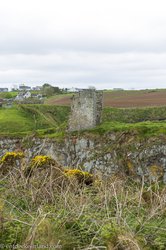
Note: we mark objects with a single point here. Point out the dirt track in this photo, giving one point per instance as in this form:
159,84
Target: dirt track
125,99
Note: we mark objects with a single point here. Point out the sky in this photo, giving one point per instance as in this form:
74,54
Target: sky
80,43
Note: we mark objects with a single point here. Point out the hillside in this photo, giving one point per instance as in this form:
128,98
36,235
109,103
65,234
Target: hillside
24,119
51,120
47,197
121,99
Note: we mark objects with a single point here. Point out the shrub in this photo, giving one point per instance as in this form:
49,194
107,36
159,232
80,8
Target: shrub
9,161
80,176
41,160
10,157
41,165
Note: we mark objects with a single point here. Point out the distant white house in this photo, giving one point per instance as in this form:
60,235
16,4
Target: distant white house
24,88
27,95
73,89
23,95
37,88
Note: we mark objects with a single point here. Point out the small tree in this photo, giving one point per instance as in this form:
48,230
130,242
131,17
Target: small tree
49,90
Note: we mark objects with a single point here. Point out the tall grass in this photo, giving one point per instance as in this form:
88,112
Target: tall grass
112,213
133,115
26,119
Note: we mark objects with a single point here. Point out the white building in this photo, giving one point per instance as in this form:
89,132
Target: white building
22,96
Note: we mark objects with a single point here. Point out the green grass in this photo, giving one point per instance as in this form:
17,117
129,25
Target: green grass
132,115
144,121
51,121
39,119
14,119
8,95
142,128
116,212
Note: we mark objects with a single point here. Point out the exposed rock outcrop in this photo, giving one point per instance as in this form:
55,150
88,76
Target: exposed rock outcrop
109,154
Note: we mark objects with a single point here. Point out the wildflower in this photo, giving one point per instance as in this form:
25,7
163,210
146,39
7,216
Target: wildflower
81,176
41,160
11,157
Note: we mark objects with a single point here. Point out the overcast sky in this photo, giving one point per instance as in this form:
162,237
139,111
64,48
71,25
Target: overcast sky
101,43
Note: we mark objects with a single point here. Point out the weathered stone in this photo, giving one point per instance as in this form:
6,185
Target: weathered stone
86,110
164,178
138,158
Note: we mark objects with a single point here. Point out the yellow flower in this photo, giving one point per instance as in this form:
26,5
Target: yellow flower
40,160
11,156
81,176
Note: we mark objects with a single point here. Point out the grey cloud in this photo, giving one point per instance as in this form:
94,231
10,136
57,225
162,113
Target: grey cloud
43,44
81,43
83,69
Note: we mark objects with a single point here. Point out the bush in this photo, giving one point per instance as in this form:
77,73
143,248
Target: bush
49,208
41,161
10,160
80,176
11,157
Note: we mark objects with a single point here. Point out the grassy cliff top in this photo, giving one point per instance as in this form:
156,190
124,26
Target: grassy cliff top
51,120
26,119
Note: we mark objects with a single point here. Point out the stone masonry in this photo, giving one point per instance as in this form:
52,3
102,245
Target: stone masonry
86,109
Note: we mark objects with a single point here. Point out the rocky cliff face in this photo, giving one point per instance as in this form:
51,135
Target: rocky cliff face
109,154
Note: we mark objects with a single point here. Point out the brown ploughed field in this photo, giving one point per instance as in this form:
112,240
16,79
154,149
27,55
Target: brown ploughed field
123,99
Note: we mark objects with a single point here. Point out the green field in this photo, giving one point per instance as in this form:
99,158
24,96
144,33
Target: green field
132,115
51,120
8,95
143,121
25,119
141,129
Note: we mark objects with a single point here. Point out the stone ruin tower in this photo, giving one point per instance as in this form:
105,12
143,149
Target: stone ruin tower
86,109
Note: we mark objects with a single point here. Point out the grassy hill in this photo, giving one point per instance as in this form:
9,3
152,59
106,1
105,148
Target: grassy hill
143,111
24,119
8,95
51,120
147,121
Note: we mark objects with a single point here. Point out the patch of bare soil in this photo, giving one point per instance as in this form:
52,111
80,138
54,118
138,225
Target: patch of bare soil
124,99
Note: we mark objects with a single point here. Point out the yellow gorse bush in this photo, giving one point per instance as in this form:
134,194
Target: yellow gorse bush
75,172
41,160
11,156
81,176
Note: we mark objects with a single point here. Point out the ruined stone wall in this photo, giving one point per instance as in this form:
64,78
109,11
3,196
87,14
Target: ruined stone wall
98,107
85,110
